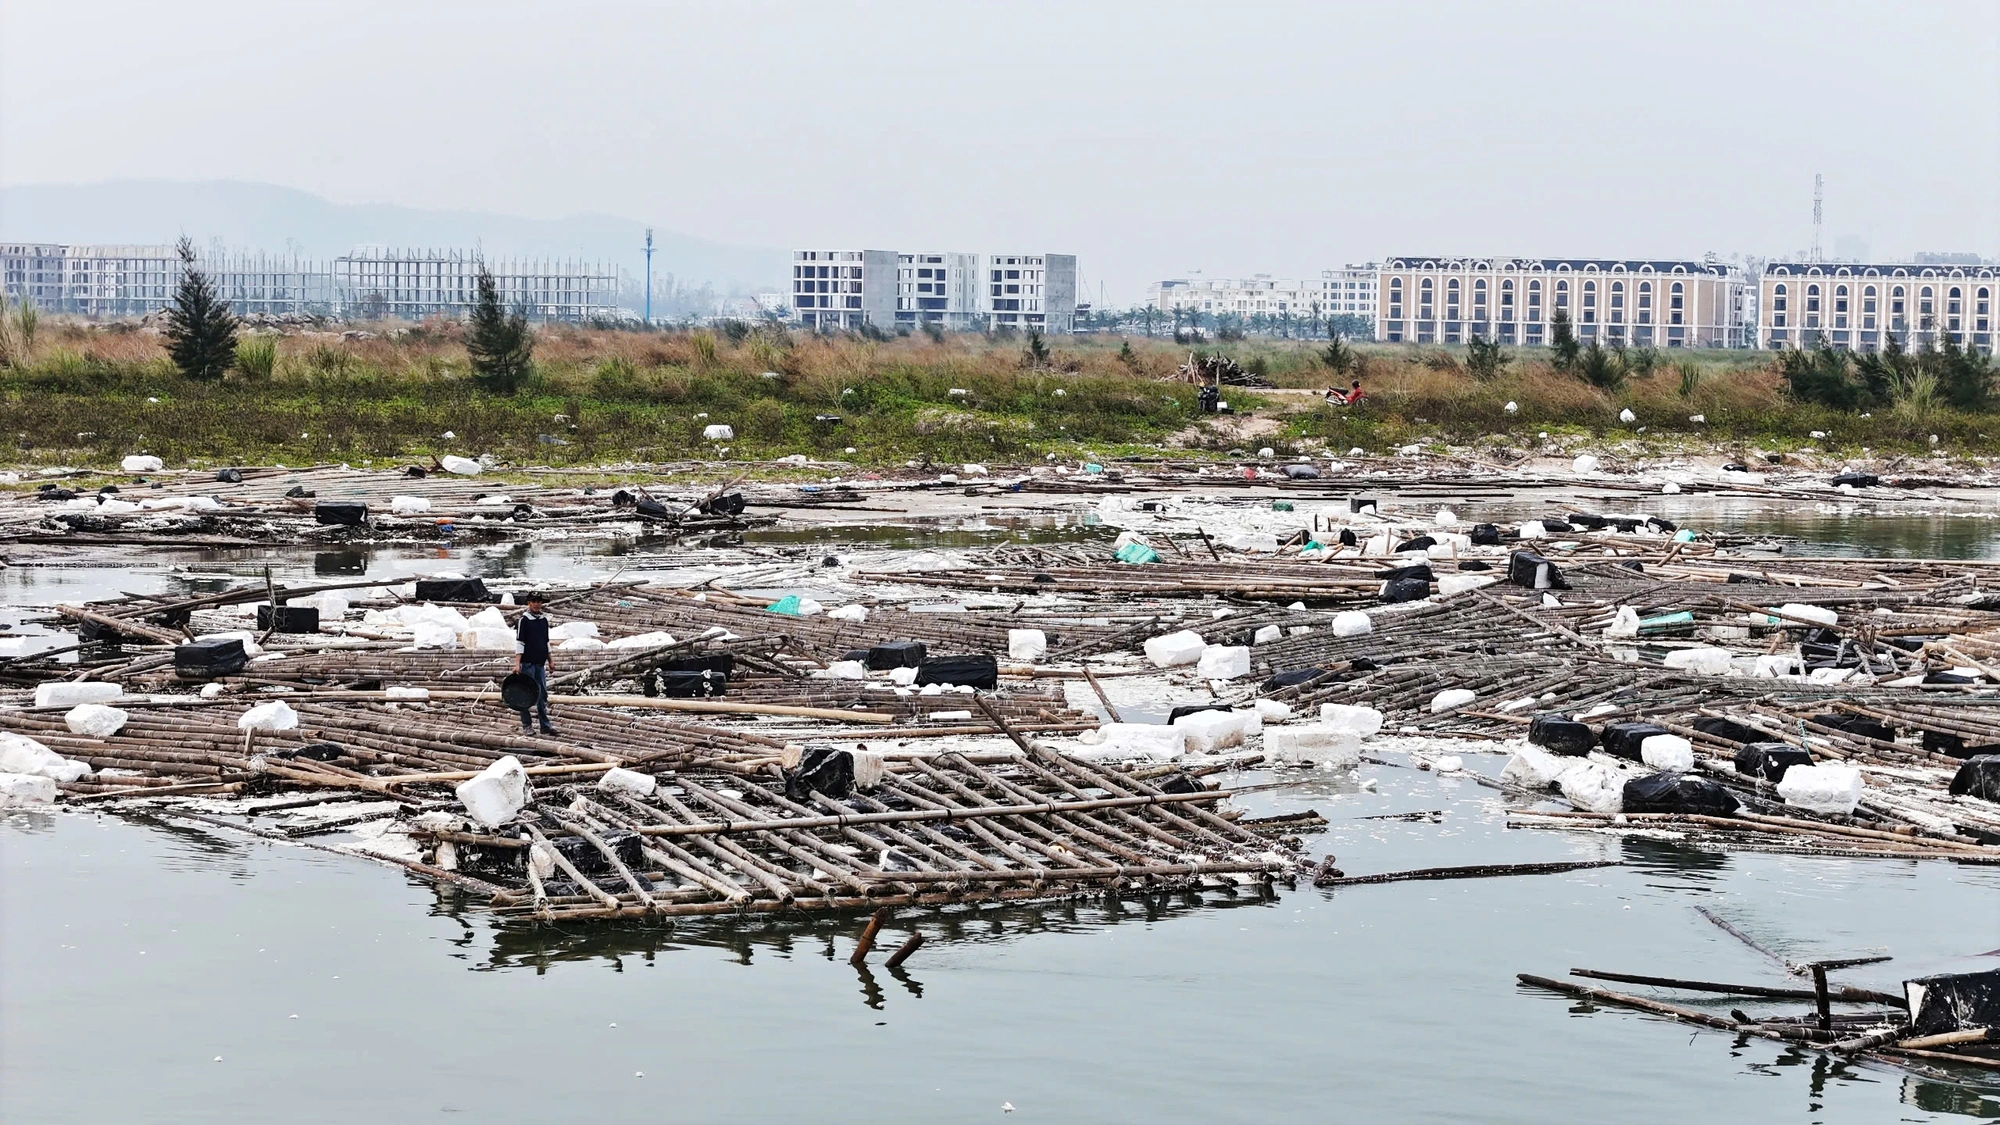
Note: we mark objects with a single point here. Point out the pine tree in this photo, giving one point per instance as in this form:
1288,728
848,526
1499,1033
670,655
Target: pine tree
201,332
1562,341
497,341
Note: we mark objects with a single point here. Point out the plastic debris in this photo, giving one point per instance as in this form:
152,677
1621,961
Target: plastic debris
1822,788
20,754
1325,746
1356,720
70,693
276,715
498,793
95,720
141,463
1175,649
628,781
1450,699
22,789
718,432
1027,644
460,466
1667,752
1223,662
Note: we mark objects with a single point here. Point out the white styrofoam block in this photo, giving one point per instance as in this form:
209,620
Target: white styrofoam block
1449,584
1446,518
1175,649
1822,788
1352,623
459,466
21,754
628,781
718,432
1320,744
847,670
1829,675
655,639
1627,416
1532,767
210,690
1209,731
408,505
1449,763
1223,662
1451,699
1268,634
22,789
1272,711
489,640
1773,666
1128,536
95,720
1667,752
488,618
1585,463
1124,741
1594,787
1624,624
855,612
1533,529
275,715
1705,660
1819,615
407,694
1027,644
331,604
903,677
571,630
581,644
1360,721
1250,543
68,693
141,463
498,792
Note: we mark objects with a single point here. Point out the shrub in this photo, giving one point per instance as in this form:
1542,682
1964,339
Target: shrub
1484,359
257,357
764,418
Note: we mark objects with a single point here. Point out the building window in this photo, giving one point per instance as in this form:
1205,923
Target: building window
1426,308
1645,302
1617,302
1677,302
1507,300
1926,306
1535,300
1590,302
1982,309
1562,295
1954,307
1840,306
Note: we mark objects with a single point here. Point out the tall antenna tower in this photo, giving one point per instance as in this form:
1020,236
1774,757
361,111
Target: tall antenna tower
649,269
1819,197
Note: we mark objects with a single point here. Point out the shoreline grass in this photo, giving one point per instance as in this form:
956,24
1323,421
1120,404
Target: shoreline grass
87,394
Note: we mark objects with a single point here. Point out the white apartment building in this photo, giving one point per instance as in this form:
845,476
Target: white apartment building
846,289
938,288
1026,291
1857,307
410,284
1675,304
1350,290
1241,297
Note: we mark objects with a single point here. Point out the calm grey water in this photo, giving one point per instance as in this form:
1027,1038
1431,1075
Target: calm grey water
134,953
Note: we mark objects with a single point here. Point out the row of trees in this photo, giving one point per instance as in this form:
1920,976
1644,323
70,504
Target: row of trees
1940,372
202,337
1311,324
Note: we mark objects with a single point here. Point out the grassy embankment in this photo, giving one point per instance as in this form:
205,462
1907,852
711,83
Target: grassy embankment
85,394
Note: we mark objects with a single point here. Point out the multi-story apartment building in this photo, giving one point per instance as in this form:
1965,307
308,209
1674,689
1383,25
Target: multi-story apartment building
1858,307
938,288
1031,291
846,289
1241,297
374,282
1350,290
1675,304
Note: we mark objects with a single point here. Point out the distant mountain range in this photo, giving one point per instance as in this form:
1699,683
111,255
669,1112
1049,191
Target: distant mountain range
268,217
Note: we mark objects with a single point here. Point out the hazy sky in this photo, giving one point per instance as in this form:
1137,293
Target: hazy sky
1153,139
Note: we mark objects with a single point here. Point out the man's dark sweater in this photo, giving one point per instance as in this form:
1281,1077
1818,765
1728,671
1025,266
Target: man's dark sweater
532,630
